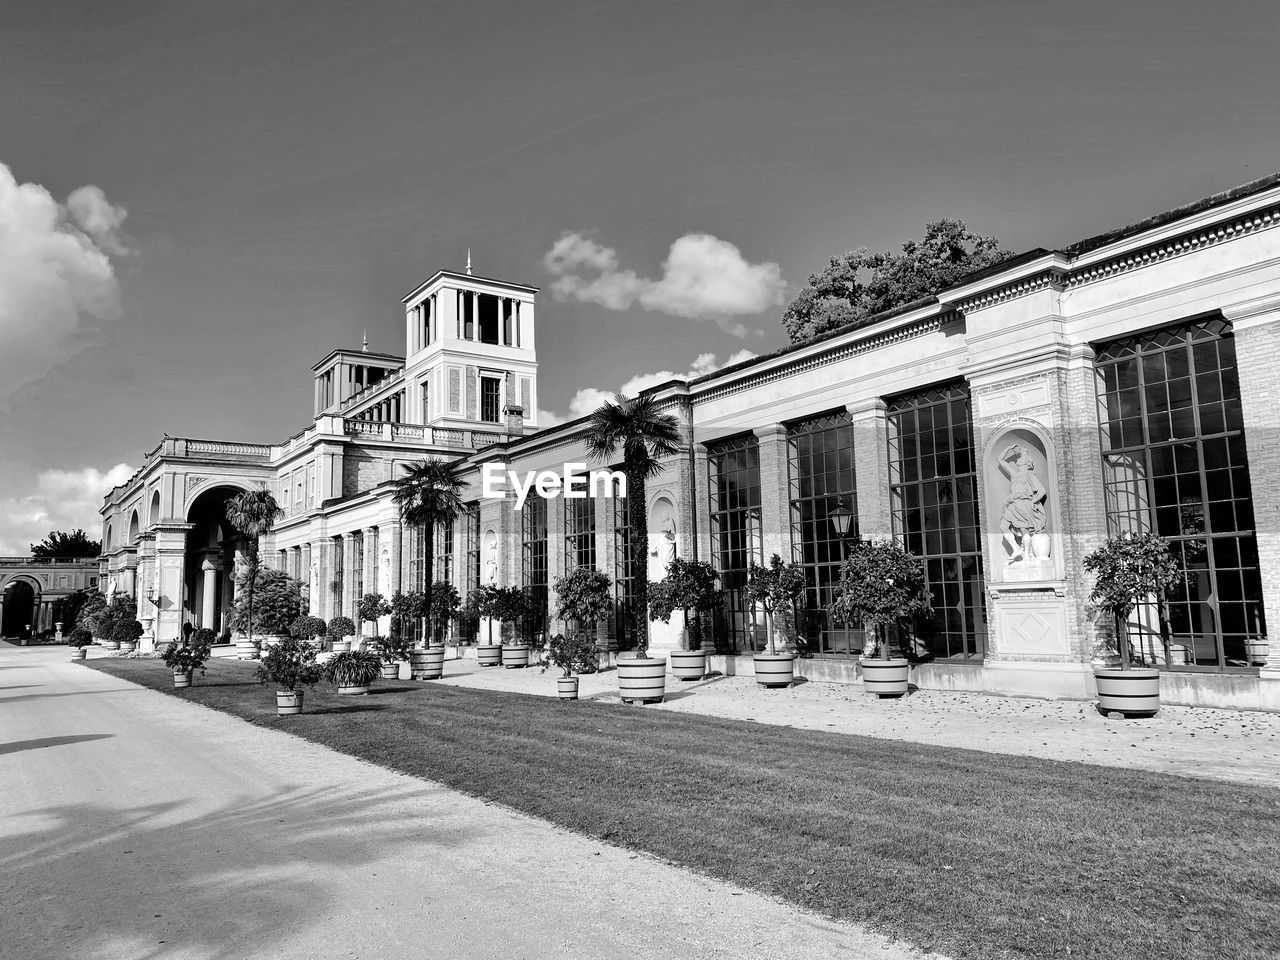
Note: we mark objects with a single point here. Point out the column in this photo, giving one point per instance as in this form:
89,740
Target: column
775,496
871,468
170,564
317,570
397,558
555,561
209,594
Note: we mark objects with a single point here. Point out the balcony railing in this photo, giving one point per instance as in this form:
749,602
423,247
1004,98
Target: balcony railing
429,436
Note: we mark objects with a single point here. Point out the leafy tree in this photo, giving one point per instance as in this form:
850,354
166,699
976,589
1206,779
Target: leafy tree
644,435
1129,568
860,284
306,628
253,512
584,596
340,628
61,544
880,583
575,654
504,604
278,601
444,606
429,495
121,608
406,608
776,588
80,637
290,664
90,612
371,607
689,586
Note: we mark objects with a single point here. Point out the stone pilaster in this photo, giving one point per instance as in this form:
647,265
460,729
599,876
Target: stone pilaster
871,469
171,544
775,495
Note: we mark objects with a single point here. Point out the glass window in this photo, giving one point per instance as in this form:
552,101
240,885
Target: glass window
622,632
533,523
933,499
1174,462
579,533
737,536
490,399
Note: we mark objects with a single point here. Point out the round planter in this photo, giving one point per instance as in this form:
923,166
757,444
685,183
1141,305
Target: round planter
342,646
78,653
128,646
110,644
182,678
643,680
390,671
1256,651
567,688
247,648
1135,691
288,702
688,664
774,669
516,655
489,654
427,664
886,678
353,690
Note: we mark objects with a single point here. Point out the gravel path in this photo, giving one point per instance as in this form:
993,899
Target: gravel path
1230,745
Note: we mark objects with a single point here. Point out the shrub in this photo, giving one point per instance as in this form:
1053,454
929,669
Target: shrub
126,631
584,596
277,601
340,627
356,668
443,605
689,586
575,654
80,637
880,583
371,607
776,588
406,608
188,655
290,664
1129,568
392,649
306,628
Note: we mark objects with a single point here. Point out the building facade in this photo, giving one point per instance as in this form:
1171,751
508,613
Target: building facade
31,592
1001,430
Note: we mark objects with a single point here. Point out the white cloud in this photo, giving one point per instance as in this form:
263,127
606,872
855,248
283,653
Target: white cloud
55,271
61,500
703,277
589,399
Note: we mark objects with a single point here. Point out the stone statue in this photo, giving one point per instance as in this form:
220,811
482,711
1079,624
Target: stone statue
491,563
1023,518
669,535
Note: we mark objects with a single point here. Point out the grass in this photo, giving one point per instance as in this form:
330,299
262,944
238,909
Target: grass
967,853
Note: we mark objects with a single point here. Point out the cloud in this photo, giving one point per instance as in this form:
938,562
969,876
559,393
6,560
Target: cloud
61,500
589,399
703,277
55,272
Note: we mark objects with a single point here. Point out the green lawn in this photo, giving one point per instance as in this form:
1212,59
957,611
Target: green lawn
967,853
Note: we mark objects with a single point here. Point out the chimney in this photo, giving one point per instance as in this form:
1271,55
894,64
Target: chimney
515,420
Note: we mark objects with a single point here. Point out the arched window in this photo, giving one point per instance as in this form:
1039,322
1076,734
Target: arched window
133,528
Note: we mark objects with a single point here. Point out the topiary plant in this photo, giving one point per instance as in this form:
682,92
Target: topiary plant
372,607
340,628
80,637
575,654
307,628
1129,568
126,631
584,597
776,589
880,583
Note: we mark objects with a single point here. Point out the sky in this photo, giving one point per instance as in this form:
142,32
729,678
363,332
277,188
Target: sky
200,200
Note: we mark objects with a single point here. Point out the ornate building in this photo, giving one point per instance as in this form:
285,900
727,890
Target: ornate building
1001,430
30,591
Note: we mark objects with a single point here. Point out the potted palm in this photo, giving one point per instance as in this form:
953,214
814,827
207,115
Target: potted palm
484,603
573,655
339,629
352,671
584,597
1129,569
775,589
188,655
79,639
881,584
371,608
644,435
289,665
252,513
690,587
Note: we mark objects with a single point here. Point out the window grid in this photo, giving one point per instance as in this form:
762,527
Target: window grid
820,458
468,627
737,536
490,399
357,563
338,577
579,533
1175,463
622,580
933,499
533,522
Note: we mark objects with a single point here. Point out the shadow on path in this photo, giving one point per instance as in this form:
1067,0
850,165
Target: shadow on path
19,745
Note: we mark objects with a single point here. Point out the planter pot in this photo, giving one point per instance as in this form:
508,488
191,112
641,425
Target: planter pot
353,690
688,664
128,646
516,655
247,648
886,678
427,664
567,688
110,644
489,654
642,680
78,653
1135,691
342,646
182,678
288,702
774,669
390,671
1256,651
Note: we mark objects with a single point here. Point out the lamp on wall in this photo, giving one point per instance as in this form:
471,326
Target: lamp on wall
841,518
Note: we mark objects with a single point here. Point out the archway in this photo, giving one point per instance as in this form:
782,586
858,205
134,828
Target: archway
19,600
209,591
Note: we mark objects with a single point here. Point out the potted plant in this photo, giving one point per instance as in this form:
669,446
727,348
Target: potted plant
645,435
289,665
252,513
1130,568
881,584
121,608
372,608
352,671
276,604
79,639
307,628
690,587
775,589
339,629
484,603
510,604
572,655
126,634
584,597
441,608
393,651
187,655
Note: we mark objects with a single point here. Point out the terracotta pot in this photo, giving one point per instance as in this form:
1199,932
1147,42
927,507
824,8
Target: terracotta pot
1135,691
288,702
774,669
182,678
516,655
390,671
643,680
567,688
688,664
886,678
427,664
78,653
353,690
489,654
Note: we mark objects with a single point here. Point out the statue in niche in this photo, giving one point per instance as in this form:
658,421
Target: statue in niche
491,563
1023,518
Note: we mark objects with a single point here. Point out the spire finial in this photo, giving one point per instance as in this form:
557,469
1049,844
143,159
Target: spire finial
468,261
364,347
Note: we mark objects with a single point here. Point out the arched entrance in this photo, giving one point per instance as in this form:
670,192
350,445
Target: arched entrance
211,547
19,601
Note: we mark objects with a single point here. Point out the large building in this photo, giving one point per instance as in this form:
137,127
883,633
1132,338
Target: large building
1000,429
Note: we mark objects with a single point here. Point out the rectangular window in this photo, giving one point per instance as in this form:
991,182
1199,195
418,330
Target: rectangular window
623,632
468,316
444,552
505,308
579,533
737,535
820,469
357,563
470,519
338,578
1174,463
933,498
490,399
533,565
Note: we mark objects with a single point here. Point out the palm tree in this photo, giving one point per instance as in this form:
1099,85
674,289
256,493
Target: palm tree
428,495
645,436
252,512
